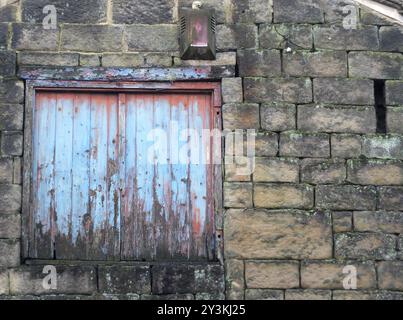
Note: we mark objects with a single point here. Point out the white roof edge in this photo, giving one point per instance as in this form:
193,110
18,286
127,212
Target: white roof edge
389,12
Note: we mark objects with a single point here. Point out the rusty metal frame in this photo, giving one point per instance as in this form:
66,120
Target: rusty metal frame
33,86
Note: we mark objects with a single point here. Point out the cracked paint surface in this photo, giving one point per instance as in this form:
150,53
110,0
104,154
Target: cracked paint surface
97,196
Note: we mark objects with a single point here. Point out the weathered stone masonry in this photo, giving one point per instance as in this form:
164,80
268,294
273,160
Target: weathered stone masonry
327,190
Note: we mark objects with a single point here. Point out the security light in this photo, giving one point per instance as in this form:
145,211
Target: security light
197,33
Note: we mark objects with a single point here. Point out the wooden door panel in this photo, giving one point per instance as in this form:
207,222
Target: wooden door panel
80,206
101,192
104,203
63,173
75,177
43,204
168,210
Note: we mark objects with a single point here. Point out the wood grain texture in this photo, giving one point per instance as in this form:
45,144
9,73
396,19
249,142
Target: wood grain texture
43,175
167,203
100,192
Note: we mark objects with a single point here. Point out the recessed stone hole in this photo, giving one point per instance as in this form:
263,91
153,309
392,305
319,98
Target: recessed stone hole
380,105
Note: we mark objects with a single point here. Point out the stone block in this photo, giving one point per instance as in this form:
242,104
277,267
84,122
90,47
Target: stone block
285,234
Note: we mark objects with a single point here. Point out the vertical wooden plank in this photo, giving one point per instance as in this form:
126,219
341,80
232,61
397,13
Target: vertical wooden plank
172,155
190,177
162,196
178,227
201,177
43,175
130,182
27,225
182,237
145,223
138,227
113,203
104,220
198,175
80,218
63,174
122,106
98,164
204,233
35,183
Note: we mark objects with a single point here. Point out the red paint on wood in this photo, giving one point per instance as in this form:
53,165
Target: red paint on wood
167,214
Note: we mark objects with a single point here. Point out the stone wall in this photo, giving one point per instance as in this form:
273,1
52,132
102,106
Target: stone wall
327,190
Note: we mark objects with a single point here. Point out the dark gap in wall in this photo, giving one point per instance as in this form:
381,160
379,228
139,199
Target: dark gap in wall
378,199
313,97
282,60
380,105
151,279
97,276
54,250
237,67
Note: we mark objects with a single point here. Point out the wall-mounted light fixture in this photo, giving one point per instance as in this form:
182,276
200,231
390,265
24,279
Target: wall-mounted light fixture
197,33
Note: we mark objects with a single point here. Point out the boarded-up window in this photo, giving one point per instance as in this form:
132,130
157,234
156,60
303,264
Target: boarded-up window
95,194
